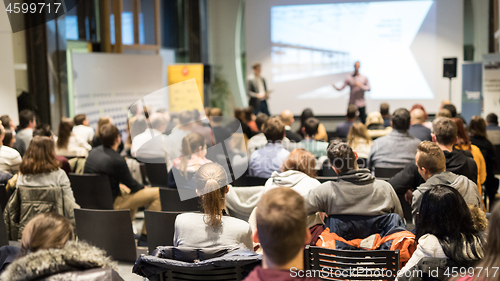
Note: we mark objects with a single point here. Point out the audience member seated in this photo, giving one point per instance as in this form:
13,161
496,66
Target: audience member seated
451,108
396,149
82,128
8,124
306,114
27,122
127,192
431,165
441,234
493,129
96,141
375,125
351,116
211,228
259,140
194,151
48,248
282,233
477,132
417,128
154,148
9,138
249,117
310,129
359,140
386,115
43,130
266,160
234,125
444,134
355,192
463,143
9,157
220,132
287,119
39,169
444,113
201,126
426,123
173,143
68,144
298,173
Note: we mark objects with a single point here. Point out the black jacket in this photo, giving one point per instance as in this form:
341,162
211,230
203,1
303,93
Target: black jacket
254,102
457,161
489,154
292,136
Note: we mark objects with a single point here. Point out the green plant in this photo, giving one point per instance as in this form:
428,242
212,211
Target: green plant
221,95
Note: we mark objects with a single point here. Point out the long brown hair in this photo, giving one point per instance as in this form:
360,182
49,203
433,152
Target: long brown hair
190,144
65,130
39,158
358,131
46,231
300,160
211,181
477,126
102,121
463,137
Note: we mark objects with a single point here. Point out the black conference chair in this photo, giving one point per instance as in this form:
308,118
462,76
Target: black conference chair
110,230
352,265
171,202
4,198
4,238
246,180
160,226
382,173
92,191
157,174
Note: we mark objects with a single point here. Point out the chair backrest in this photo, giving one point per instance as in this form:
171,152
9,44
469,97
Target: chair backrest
352,265
3,197
497,156
386,173
157,174
110,230
171,202
160,226
4,239
246,180
222,274
92,191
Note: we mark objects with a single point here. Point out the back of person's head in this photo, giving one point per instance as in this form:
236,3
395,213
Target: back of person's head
417,116
445,130
477,126
192,143
185,117
352,111
273,129
247,114
8,136
401,119
238,113
287,117
5,119
451,108
79,119
455,232
65,130
306,114
300,160
158,122
211,181
358,131
25,117
384,109
281,224
108,135
216,114
39,157
207,111
134,109
341,156
42,130
421,107
260,120
492,256
431,157
463,137
311,127
492,119
444,113
374,118
46,231
106,120
138,127
196,115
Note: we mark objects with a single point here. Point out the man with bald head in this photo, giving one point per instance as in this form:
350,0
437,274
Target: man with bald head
287,119
417,129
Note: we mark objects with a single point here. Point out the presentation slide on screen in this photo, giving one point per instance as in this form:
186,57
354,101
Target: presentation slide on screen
306,46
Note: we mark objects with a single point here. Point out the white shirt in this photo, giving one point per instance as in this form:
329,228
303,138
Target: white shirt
428,246
153,149
77,147
84,132
10,159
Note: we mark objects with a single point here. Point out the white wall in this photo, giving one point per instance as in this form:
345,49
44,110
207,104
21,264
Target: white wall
8,104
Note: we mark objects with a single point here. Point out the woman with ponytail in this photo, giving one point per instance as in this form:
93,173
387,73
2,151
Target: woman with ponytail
212,228
193,151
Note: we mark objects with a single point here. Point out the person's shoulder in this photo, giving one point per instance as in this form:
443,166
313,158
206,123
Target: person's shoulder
235,222
428,240
188,217
10,152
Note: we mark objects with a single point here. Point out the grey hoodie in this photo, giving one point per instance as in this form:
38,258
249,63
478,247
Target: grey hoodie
355,192
295,180
465,186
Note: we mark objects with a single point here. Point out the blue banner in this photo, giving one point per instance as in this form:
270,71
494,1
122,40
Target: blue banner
472,90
